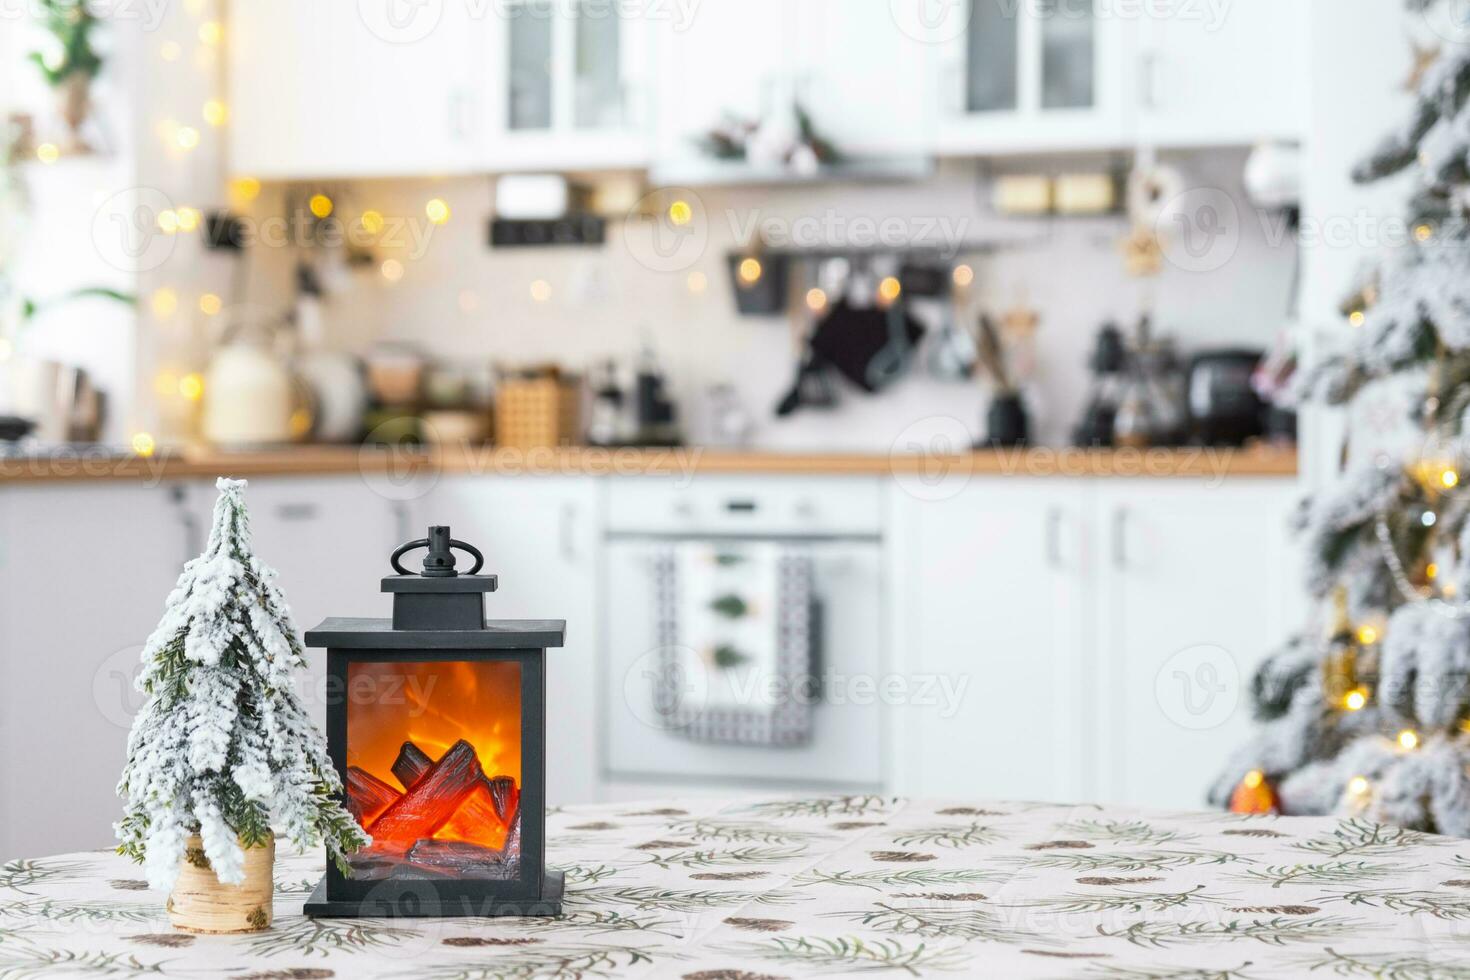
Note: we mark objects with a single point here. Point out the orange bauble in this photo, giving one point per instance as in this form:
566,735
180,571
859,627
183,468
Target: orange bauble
1255,794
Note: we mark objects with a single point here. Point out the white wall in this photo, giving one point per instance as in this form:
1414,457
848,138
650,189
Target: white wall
604,301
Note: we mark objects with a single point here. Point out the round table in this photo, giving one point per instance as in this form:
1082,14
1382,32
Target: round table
736,890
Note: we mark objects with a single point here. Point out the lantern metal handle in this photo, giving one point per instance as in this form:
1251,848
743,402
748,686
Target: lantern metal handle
438,563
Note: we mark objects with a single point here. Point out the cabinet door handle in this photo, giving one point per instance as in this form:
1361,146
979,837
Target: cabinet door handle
567,532
1148,80
1054,537
1120,538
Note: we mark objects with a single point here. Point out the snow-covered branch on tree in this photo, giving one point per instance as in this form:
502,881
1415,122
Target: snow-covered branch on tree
223,744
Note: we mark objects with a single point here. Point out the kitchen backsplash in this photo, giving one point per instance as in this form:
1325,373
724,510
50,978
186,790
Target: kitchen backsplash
461,301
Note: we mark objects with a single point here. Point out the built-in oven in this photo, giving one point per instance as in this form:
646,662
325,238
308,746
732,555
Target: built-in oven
830,528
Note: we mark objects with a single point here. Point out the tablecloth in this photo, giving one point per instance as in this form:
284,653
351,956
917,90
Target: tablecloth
843,885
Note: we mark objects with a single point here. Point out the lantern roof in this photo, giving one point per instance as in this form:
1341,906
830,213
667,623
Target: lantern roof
438,609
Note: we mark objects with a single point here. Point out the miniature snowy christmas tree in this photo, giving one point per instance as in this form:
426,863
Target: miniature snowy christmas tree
1371,716
223,745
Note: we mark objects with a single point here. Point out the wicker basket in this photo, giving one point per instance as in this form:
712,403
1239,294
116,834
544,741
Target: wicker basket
532,413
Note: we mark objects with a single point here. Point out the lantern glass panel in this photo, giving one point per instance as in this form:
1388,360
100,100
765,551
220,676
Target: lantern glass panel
434,768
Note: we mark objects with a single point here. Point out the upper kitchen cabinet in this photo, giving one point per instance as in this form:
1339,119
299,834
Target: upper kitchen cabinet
572,87
338,102
1222,74
1058,75
861,77
1026,77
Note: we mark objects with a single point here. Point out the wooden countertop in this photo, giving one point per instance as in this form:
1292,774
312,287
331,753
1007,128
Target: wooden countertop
401,466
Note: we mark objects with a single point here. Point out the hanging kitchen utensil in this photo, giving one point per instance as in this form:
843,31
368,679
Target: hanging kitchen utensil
869,347
811,389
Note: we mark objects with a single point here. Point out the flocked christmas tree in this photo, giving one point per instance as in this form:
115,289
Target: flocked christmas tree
223,745
1371,716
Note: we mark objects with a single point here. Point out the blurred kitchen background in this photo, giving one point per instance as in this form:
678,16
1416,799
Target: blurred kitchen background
248,238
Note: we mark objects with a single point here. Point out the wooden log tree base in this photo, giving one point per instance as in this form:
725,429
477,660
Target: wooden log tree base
200,903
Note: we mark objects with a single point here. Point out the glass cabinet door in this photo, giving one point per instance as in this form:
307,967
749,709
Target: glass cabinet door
530,60
597,101
1068,48
992,59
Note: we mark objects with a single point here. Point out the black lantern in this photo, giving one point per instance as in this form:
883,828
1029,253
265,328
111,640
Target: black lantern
436,723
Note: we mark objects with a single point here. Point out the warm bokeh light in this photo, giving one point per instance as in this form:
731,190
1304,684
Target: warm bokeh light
750,271
1409,739
215,113
680,213
1367,635
211,33
48,153
963,275
540,290
210,304
186,137
165,302
143,444
816,300
321,205
373,222
437,211
392,270
189,219
890,289
243,190
1355,700
1358,786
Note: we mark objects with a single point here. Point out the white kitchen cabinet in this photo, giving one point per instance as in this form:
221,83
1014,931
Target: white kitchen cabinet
990,585
1226,74
570,85
356,90
1029,77
84,571
1197,584
329,540
540,535
1108,631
